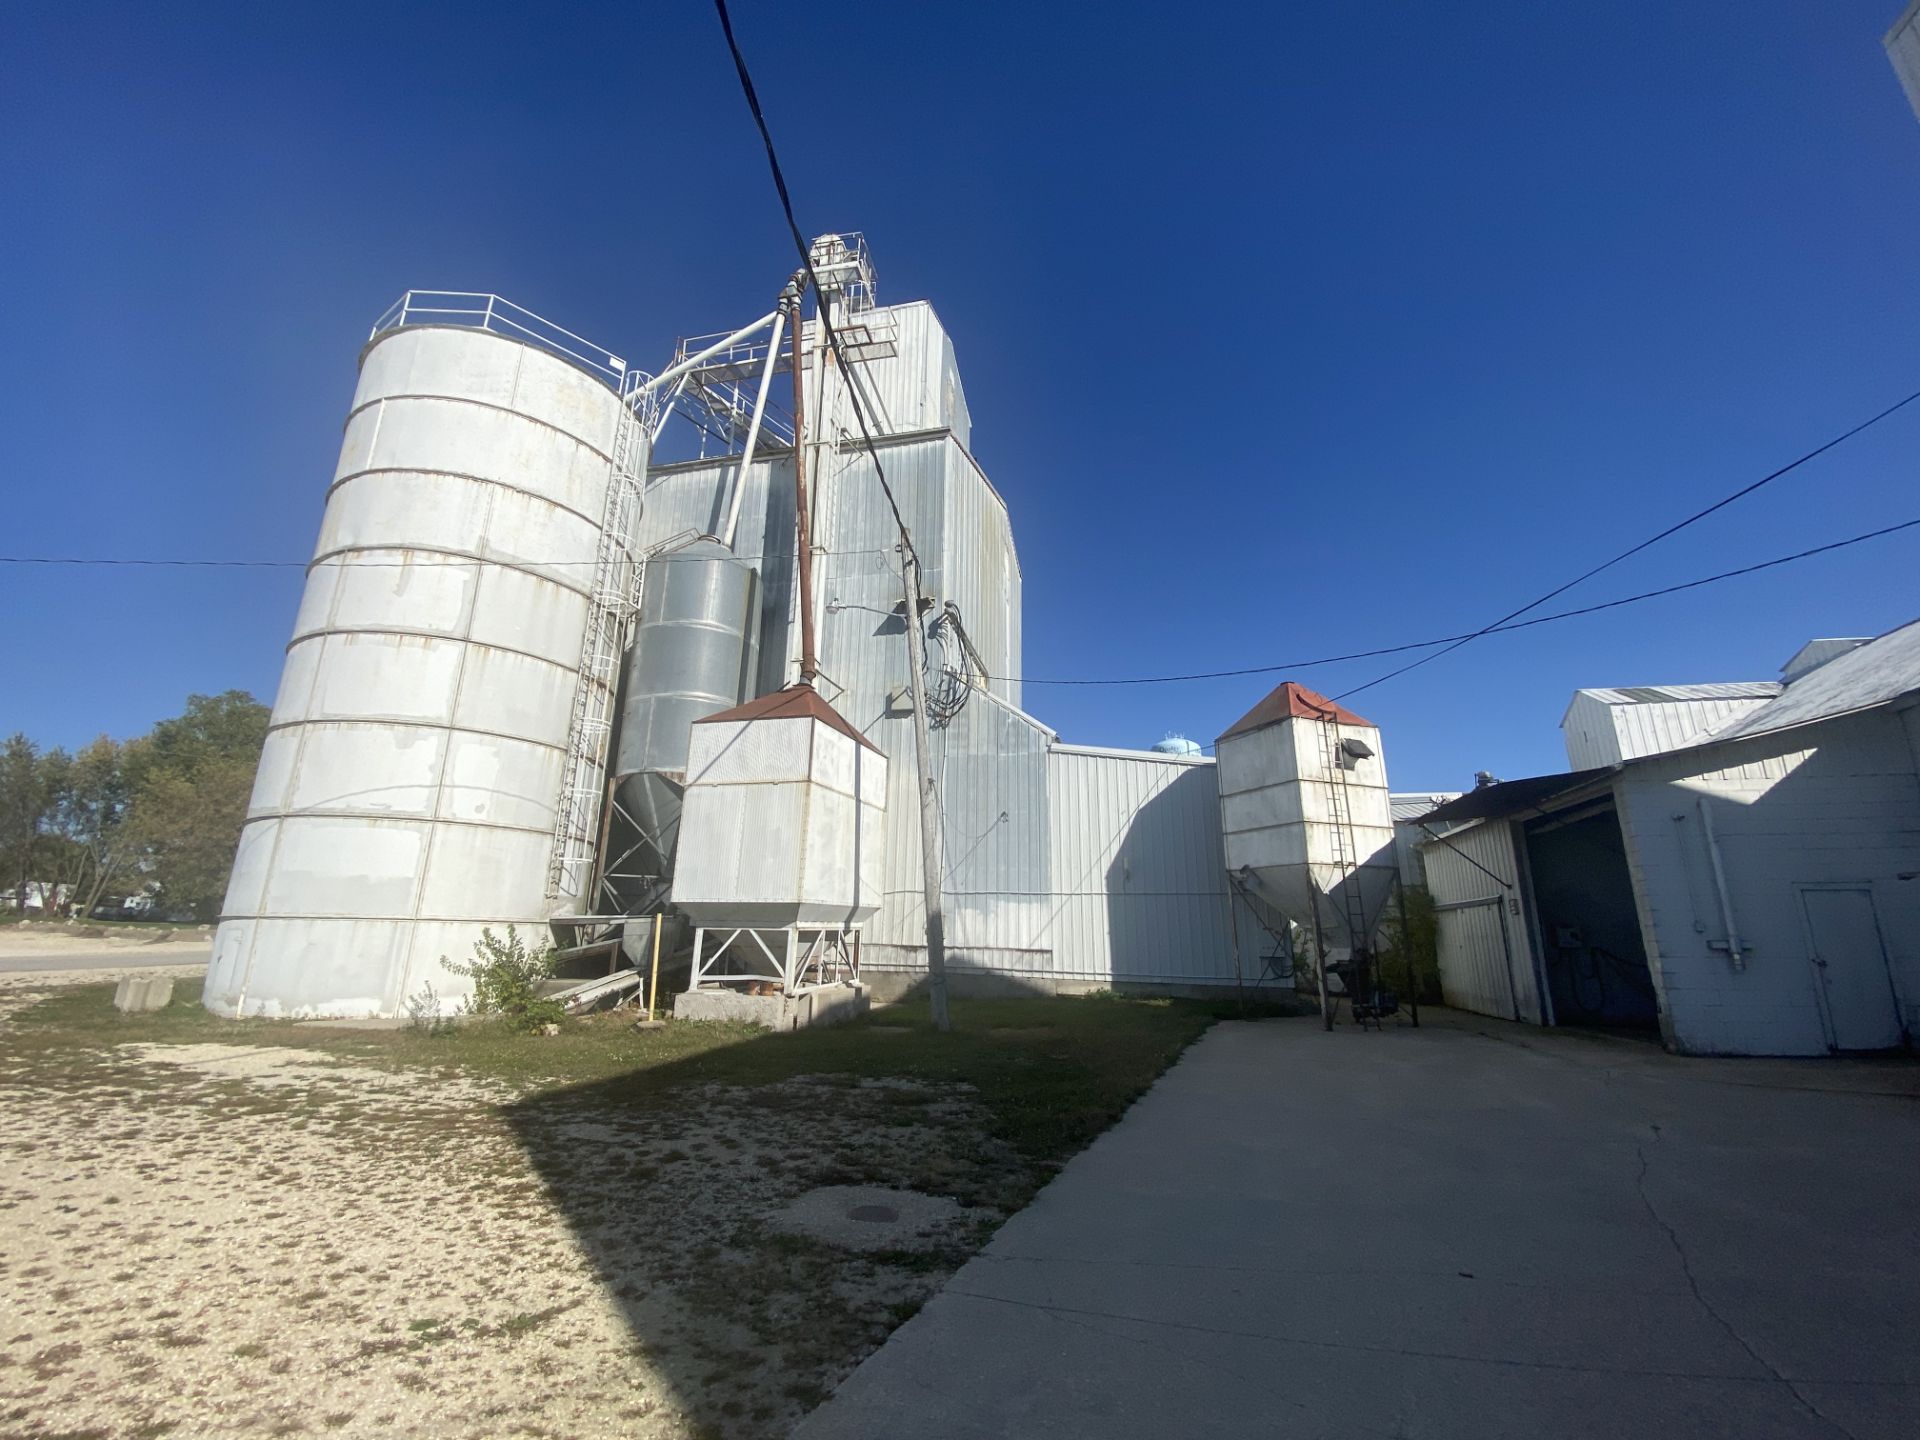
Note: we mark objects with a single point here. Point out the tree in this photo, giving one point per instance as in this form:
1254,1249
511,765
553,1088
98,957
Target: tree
189,781
95,805
24,802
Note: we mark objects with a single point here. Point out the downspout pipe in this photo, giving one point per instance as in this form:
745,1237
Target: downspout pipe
809,660
753,425
674,372
1734,952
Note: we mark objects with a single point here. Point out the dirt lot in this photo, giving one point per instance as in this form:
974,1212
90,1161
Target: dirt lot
213,1229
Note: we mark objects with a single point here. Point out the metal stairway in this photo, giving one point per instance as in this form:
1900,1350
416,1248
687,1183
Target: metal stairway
1351,903
611,607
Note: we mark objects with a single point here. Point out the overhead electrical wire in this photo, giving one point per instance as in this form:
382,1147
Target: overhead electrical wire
1632,550
1401,649
419,559
806,260
1495,630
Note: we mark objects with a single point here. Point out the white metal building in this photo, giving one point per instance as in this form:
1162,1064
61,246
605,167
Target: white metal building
437,745
1755,892
1602,727
1407,834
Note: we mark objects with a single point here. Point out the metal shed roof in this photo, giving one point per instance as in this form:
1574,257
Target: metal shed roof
1510,797
1876,673
1291,701
799,701
1413,806
1661,694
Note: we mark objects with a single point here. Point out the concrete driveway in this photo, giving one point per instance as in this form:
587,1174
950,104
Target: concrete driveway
1466,1230
46,950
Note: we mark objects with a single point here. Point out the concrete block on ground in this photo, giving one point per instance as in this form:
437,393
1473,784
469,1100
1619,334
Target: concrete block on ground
137,993
832,1006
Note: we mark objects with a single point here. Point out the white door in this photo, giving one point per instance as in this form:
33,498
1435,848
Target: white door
1850,967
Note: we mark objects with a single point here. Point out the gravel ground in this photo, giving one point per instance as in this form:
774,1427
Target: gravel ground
224,1240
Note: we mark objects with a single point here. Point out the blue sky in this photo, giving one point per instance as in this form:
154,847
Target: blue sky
1287,329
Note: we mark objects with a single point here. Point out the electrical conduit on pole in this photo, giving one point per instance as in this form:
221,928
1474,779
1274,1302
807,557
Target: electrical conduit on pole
932,860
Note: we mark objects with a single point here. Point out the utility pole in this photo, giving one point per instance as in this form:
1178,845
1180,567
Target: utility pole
1320,957
931,848
1406,945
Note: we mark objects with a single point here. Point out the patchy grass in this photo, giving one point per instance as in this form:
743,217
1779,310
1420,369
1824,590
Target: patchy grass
480,1221
1052,1072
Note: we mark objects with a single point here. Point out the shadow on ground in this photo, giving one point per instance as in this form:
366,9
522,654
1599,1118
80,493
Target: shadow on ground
755,1208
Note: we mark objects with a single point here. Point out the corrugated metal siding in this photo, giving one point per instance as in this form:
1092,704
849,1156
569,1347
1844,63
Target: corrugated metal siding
694,498
1139,888
961,532
918,387
979,563
1589,732
1600,731
992,767
1096,867
1659,694
1408,837
1674,724
1479,969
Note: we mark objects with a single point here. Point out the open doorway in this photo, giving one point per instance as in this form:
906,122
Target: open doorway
1596,966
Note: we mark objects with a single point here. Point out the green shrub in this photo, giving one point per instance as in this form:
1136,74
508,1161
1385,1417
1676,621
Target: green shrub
1421,941
506,977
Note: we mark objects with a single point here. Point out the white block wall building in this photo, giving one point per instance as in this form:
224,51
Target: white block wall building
1762,884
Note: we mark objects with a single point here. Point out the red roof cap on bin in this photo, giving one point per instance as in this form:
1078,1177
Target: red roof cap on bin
799,701
1290,701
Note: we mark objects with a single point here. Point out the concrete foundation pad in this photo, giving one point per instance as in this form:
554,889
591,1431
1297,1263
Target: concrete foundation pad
137,993
831,1006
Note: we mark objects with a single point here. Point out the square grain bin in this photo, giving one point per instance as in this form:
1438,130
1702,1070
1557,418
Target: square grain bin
1305,814
784,819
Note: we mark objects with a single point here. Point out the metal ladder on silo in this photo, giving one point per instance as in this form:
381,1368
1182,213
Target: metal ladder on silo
1353,905
610,610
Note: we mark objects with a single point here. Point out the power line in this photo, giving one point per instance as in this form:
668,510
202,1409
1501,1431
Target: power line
425,558
1374,654
806,259
933,867
1498,629
1632,550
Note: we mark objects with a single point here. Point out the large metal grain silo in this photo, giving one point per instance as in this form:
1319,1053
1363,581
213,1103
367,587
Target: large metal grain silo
406,795
695,651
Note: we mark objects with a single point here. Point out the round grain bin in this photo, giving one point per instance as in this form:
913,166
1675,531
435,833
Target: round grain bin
407,790
693,653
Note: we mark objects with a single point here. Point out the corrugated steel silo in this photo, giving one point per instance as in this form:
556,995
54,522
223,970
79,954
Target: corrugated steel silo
694,652
406,794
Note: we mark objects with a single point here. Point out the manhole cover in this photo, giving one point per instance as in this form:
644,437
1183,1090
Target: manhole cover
877,1214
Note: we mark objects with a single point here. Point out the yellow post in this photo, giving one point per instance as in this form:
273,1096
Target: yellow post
653,986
